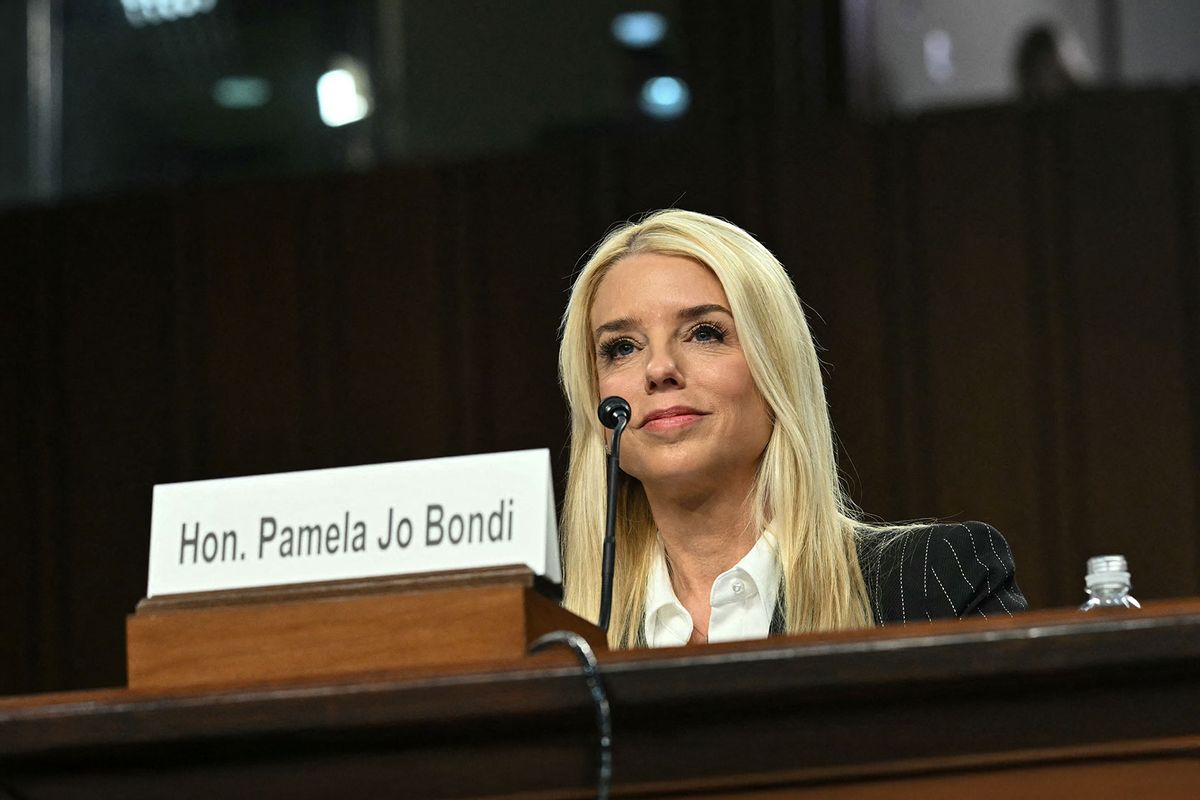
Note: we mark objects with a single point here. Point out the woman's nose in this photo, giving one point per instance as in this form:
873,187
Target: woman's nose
662,371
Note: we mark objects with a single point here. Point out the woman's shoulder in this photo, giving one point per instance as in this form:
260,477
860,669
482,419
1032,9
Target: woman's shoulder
957,531
903,543
938,570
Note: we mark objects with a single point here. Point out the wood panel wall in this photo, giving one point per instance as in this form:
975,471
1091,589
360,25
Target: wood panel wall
1007,301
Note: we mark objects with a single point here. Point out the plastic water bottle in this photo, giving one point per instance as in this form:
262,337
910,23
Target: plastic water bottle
1108,584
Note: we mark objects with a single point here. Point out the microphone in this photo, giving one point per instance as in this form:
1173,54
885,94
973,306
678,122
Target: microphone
612,410
614,413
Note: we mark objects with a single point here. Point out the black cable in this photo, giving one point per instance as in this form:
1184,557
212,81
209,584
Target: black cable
591,672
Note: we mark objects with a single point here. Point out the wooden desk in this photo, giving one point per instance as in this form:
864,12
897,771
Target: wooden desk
1051,704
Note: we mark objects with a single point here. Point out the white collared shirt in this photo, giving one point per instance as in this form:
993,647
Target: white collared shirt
742,599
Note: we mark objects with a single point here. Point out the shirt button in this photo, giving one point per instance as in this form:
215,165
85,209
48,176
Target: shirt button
737,586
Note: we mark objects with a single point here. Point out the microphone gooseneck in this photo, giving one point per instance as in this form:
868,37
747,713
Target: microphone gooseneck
614,413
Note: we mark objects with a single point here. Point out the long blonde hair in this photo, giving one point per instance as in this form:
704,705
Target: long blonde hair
797,493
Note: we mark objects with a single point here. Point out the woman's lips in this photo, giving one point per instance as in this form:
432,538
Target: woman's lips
672,421
667,423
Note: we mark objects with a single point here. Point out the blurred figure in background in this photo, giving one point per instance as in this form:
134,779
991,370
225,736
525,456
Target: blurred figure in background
1048,64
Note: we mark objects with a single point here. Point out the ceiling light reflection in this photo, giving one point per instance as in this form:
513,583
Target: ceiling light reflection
639,29
152,12
339,99
665,97
241,91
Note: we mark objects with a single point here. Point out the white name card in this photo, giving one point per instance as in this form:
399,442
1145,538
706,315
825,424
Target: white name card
355,522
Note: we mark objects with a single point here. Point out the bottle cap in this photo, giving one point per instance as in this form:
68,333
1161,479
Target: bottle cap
1112,563
1107,579
1107,570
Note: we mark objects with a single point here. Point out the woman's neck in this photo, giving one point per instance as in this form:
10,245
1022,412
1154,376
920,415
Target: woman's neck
703,535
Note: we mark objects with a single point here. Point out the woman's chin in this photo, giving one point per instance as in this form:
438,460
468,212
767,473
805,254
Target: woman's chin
674,474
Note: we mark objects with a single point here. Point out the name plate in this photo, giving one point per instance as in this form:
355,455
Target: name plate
355,522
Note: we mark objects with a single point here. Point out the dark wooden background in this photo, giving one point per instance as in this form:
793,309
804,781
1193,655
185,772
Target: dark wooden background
1007,300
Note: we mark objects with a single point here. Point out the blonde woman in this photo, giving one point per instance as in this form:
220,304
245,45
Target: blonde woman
731,519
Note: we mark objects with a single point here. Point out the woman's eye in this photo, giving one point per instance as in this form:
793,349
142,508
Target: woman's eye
708,333
618,348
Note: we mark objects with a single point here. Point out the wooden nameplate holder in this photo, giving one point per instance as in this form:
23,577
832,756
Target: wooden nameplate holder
337,629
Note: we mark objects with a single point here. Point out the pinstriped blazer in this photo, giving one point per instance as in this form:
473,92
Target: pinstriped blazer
940,571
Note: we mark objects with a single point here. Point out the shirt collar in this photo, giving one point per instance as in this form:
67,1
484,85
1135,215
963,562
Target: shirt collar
759,569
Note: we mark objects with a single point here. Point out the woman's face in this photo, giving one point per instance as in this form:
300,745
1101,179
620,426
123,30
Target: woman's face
665,340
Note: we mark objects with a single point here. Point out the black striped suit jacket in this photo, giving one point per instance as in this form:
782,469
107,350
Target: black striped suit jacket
940,571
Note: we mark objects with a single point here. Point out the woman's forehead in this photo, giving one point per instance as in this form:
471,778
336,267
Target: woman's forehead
652,284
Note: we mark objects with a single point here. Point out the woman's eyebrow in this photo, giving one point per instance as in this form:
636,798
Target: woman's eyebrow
622,324
700,311
692,312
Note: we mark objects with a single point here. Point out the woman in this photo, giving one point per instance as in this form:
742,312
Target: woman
732,522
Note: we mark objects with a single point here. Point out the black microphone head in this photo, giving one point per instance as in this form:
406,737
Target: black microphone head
612,409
